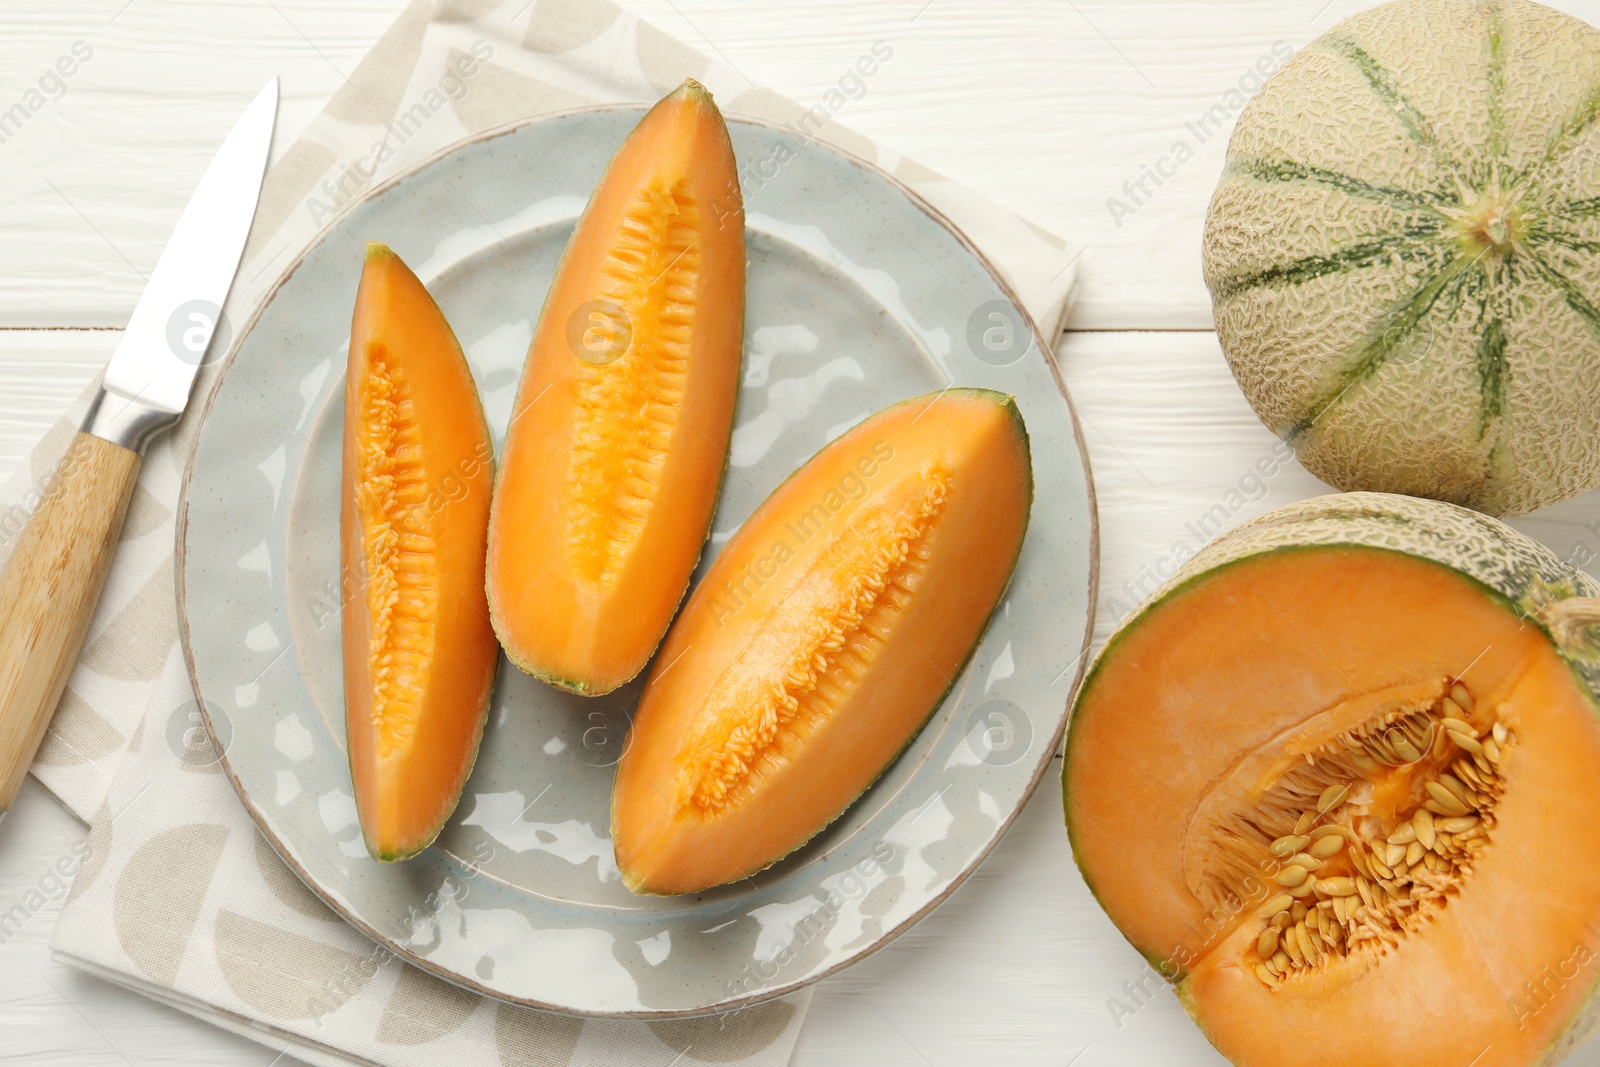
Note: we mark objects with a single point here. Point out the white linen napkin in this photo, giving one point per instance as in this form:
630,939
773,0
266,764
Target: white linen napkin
178,896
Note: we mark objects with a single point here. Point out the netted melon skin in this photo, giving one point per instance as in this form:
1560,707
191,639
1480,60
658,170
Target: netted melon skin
1362,295
1512,565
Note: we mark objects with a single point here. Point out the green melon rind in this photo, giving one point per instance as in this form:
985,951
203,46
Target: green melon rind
1518,572
580,686
379,250
632,881
1266,342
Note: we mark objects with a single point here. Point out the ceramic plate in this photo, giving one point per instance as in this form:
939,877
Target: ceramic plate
859,295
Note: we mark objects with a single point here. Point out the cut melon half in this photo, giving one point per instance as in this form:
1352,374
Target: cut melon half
1339,781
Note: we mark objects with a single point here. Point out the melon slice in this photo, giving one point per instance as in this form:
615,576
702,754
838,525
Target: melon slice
419,653
619,432
821,639
1337,781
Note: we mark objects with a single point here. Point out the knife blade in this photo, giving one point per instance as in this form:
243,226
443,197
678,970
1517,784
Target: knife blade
53,578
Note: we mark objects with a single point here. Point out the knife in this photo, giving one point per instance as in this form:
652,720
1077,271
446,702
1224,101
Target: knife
52,581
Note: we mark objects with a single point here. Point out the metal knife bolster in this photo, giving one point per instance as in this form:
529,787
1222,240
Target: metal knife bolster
125,420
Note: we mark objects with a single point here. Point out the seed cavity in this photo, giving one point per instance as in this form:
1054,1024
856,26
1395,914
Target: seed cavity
397,547
1367,836
783,687
630,408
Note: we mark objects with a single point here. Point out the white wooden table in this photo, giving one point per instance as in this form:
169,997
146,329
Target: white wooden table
1048,105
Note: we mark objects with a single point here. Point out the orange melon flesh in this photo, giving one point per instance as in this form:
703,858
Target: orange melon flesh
419,653
821,639
1224,686
619,434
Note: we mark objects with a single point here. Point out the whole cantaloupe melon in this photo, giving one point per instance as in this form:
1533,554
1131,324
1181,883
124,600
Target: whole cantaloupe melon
1404,253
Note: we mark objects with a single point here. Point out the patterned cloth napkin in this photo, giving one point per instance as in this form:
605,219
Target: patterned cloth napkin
178,896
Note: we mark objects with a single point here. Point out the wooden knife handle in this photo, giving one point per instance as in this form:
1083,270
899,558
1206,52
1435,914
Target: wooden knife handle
49,589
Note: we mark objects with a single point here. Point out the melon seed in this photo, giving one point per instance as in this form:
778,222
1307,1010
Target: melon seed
1292,875
1500,733
1325,830
1280,960
1460,695
1327,846
1441,742
1278,903
1381,751
1449,709
1266,976
1336,887
1445,799
1284,847
1456,724
1466,742
1403,834
1491,750
1298,911
1404,748
1414,852
1267,943
1291,945
1331,798
1422,823
1304,888
1303,823
1308,947
1454,784
1306,860
1457,824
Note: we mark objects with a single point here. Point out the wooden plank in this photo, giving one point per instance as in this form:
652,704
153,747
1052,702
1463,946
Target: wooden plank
94,181
41,373
1048,107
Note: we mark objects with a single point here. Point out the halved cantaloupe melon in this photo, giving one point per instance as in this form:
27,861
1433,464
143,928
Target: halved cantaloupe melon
1338,781
419,653
821,639
619,434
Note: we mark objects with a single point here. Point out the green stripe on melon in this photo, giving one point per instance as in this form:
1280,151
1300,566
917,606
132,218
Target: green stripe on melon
1404,253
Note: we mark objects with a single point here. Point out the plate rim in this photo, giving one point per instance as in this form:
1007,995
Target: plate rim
766,993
